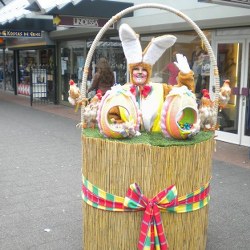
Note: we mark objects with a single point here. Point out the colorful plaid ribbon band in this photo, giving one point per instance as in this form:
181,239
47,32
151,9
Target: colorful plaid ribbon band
152,234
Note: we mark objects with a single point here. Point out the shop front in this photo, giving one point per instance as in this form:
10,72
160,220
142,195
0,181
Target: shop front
76,29
232,48
72,60
30,61
28,56
189,44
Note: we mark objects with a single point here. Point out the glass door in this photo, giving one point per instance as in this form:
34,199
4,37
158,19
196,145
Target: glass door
72,55
245,93
65,72
232,58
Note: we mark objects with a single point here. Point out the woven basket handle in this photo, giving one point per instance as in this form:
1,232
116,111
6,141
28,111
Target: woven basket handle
118,16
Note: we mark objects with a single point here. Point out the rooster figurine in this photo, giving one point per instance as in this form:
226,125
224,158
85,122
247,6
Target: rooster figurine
206,112
224,95
75,96
74,93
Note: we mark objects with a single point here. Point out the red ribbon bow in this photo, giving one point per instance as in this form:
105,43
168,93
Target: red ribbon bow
152,235
144,90
152,232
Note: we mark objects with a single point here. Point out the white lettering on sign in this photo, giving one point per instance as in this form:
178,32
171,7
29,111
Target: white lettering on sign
35,34
13,33
78,21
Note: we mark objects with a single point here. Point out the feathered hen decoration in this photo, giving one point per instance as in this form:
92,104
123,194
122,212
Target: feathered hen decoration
74,93
206,112
224,95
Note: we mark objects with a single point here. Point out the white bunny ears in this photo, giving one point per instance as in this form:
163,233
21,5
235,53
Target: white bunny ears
132,46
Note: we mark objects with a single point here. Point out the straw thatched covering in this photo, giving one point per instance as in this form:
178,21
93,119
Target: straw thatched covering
113,166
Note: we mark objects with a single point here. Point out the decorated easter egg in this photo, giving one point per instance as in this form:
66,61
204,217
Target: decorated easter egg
121,101
179,118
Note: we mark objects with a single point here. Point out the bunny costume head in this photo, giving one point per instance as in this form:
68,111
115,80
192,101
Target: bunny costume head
134,54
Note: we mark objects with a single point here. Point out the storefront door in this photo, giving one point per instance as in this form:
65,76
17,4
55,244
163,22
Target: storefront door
233,57
72,62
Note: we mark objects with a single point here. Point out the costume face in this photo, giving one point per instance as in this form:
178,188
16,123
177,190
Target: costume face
139,75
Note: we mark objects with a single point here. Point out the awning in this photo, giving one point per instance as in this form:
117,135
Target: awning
18,10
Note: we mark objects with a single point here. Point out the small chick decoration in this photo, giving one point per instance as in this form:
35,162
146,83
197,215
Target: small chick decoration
206,112
90,111
224,95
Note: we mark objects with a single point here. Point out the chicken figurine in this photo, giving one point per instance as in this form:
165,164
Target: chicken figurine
206,112
90,111
75,96
74,93
224,95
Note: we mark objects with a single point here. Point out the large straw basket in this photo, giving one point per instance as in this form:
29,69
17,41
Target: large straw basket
113,165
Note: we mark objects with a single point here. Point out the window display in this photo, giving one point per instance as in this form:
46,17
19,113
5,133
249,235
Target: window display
189,44
73,59
27,60
9,70
31,61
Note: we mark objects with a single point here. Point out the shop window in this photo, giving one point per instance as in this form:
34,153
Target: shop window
1,69
72,63
47,62
229,59
189,44
66,72
27,60
32,60
9,70
112,50
73,60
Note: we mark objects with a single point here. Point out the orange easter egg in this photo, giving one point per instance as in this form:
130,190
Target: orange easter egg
179,118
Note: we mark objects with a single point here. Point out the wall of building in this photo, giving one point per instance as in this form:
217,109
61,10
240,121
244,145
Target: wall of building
204,14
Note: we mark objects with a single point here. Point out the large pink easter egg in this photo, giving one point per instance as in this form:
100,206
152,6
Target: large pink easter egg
179,118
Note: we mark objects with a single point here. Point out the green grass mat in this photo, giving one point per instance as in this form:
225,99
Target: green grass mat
154,139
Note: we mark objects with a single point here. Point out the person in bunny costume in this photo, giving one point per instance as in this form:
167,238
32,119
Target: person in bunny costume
149,96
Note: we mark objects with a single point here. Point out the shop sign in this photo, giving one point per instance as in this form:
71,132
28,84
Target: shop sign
18,33
87,22
236,3
105,44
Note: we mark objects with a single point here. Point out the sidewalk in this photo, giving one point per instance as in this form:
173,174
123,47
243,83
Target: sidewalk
61,110
40,180
225,152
